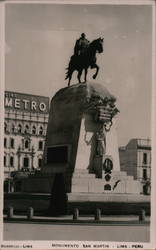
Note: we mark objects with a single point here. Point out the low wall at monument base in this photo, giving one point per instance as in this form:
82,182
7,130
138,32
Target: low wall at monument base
22,201
109,204
111,208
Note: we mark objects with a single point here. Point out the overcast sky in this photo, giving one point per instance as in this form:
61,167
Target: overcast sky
40,39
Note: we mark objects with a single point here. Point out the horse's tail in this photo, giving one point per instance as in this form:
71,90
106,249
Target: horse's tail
67,73
69,69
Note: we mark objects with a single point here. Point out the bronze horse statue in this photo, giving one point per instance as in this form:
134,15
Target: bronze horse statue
85,60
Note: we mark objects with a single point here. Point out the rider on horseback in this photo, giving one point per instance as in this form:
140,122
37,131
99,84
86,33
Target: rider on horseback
81,45
87,58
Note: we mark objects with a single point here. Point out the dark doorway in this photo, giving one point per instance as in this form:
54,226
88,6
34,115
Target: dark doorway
58,202
26,162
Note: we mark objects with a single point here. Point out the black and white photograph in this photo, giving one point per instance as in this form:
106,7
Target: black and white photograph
78,124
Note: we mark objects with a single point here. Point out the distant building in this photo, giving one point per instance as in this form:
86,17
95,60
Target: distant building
135,159
26,118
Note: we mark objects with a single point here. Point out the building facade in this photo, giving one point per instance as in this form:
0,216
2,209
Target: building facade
25,125
135,159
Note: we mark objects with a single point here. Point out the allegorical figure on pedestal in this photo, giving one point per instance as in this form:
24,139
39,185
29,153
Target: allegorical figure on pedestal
100,143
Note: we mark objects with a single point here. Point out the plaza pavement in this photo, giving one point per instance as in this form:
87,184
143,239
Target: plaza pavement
109,228
81,232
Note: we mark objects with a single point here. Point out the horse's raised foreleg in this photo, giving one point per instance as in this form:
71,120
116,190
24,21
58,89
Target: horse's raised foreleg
79,75
97,70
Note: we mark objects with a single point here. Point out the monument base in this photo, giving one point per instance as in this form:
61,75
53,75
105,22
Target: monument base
87,192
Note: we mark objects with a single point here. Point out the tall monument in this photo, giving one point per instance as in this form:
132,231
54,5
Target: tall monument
81,165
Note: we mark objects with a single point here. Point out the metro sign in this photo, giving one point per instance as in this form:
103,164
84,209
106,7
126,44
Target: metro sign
25,102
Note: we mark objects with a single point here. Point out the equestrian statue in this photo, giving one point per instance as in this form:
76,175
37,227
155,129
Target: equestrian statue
84,57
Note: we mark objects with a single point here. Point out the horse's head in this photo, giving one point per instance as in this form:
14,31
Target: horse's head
98,44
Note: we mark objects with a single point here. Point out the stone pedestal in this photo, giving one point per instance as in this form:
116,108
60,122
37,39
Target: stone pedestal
81,150
81,142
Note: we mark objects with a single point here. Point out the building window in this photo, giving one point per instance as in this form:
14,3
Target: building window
26,144
40,145
26,131
5,142
11,161
144,174
26,162
4,161
12,128
34,130
5,127
12,143
144,158
39,162
19,128
40,130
